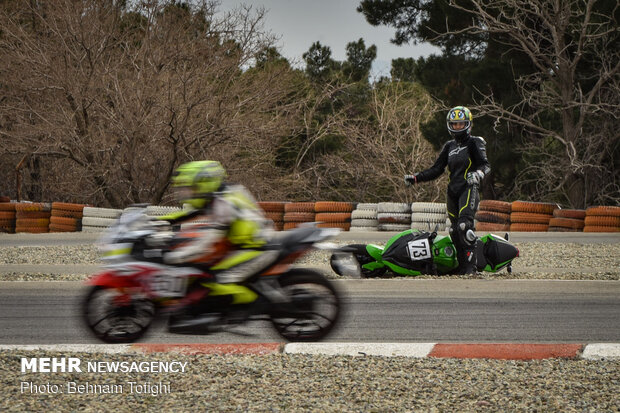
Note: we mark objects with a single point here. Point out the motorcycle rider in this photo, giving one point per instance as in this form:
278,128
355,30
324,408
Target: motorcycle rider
236,228
466,159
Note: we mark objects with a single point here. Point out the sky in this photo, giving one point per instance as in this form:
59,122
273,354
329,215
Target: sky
334,23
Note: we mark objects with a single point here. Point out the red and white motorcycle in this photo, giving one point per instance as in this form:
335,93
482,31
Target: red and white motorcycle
135,288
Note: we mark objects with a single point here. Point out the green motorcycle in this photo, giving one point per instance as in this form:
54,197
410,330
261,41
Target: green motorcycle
413,252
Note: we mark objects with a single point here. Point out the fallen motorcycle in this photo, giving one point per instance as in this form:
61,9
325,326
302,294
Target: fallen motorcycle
412,253
136,288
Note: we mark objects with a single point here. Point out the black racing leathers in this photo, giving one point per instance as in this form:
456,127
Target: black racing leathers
461,157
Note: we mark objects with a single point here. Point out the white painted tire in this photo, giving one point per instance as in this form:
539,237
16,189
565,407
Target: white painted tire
367,207
393,207
364,214
393,218
424,216
364,222
429,207
394,227
98,222
101,212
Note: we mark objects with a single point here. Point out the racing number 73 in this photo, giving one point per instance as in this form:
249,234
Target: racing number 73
419,249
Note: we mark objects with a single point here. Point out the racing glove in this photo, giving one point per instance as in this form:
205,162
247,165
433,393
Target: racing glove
411,179
474,178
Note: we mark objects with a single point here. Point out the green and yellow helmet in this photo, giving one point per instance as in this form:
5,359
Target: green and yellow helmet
196,181
462,116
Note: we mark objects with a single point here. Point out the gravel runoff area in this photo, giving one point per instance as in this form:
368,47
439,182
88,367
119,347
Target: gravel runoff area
302,383
537,260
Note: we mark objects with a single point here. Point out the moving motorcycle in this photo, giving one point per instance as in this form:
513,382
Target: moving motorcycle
415,252
136,288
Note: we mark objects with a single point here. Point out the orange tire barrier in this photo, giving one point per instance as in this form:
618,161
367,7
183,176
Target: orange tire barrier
496,206
272,206
493,217
521,227
529,218
345,226
570,213
299,207
593,228
489,226
333,217
330,206
7,206
566,223
298,217
533,207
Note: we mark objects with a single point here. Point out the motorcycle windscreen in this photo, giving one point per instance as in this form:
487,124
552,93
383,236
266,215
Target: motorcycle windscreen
411,251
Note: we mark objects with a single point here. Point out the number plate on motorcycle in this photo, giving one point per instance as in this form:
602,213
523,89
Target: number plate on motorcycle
168,285
419,249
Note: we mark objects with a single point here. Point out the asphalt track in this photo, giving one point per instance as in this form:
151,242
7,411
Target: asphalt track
510,311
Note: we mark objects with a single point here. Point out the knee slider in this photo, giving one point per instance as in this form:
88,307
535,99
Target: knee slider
465,230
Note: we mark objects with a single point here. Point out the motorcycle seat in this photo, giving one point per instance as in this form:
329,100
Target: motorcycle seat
284,238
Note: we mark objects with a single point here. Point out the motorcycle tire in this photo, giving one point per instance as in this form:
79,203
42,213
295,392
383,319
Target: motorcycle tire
120,323
315,310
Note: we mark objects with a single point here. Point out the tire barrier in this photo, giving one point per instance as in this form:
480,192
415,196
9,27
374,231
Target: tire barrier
602,219
98,219
393,216
7,217
155,211
531,216
426,216
364,218
567,220
493,216
274,211
66,217
32,217
330,214
296,213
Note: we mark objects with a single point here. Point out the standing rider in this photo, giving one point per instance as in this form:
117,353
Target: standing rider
466,158
234,219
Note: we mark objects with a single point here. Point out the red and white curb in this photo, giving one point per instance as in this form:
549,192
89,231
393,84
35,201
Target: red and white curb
503,351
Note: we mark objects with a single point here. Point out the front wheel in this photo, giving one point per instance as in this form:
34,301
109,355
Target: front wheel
313,310
115,317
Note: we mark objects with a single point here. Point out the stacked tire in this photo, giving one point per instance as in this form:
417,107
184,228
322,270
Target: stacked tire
296,213
98,219
274,211
426,216
531,216
66,217
331,214
364,218
393,216
32,217
493,216
7,217
567,220
602,219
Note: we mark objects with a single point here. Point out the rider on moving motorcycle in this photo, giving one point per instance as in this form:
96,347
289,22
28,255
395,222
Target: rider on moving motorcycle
236,223
466,159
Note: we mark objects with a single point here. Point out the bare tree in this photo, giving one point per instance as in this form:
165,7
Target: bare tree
110,100
569,103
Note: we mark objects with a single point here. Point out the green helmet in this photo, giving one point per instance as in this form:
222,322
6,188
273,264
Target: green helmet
200,179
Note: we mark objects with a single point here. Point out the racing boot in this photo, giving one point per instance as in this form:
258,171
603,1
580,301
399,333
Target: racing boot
467,262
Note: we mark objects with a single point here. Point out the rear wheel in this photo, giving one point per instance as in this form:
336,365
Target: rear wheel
314,308
114,317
